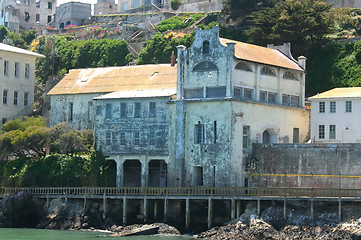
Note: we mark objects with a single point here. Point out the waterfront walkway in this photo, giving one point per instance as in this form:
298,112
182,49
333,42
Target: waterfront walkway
233,195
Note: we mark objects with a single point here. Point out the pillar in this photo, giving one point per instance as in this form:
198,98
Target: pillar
124,211
84,206
104,204
284,208
155,209
210,213
144,169
258,206
312,209
119,179
339,210
238,209
145,209
188,215
233,209
165,210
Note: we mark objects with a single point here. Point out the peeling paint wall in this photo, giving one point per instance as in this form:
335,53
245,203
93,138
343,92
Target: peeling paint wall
307,165
82,113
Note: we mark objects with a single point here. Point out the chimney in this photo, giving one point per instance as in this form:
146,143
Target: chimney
302,62
172,59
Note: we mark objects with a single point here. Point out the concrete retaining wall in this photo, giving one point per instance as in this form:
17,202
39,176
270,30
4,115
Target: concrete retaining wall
307,165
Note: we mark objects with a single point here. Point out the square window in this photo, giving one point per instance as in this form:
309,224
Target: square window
247,93
237,92
263,96
321,107
272,97
295,101
285,99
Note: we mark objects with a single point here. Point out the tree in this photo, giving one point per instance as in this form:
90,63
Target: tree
303,23
3,33
236,9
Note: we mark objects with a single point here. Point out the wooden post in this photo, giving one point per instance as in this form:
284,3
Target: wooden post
155,209
210,213
284,208
188,215
104,204
165,210
311,209
233,209
339,210
145,209
238,208
124,211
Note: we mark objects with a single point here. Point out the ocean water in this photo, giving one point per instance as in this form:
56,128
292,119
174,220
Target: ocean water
43,234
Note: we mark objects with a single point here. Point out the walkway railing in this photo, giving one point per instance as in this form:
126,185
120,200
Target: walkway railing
191,191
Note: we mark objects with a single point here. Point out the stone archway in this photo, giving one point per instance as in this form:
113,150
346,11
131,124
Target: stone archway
157,173
132,172
269,136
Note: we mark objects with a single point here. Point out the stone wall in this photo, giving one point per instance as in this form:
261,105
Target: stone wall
307,165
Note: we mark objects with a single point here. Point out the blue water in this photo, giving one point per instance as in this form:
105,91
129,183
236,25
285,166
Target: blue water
43,234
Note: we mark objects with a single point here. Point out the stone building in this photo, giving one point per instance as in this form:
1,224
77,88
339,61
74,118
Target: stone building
104,7
335,116
71,13
17,70
345,3
194,124
26,14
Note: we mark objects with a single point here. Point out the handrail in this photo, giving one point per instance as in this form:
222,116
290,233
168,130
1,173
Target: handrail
190,191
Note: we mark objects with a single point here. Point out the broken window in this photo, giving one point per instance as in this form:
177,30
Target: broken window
267,71
123,110
205,49
290,75
237,92
243,66
152,110
247,93
199,133
108,110
205,66
137,110
193,93
215,92
27,17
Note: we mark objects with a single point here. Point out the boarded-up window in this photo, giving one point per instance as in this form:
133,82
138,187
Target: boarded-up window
214,92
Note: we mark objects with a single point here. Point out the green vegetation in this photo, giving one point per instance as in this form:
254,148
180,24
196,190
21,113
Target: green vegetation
175,4
55,156
178,22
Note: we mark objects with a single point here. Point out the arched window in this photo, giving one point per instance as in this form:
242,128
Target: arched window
290,75
205,66
243,66
267,71
205,47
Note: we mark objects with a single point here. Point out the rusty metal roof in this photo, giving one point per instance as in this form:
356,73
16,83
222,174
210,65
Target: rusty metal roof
114,79
349,92
254,53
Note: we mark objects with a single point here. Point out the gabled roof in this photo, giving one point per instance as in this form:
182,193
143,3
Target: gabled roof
114,79
349,92
8,48
258,54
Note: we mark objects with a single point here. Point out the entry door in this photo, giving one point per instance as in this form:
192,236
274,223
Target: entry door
163,174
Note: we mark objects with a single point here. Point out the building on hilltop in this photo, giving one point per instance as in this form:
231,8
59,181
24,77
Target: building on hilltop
335,116
71,13
194,124
104,7
17,70
26,14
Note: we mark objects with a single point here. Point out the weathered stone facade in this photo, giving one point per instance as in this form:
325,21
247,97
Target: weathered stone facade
71,13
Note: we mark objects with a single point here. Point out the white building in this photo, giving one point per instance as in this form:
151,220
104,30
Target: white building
17,71
26,14
335,116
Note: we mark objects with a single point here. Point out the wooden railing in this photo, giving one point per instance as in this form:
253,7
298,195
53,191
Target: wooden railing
191,191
